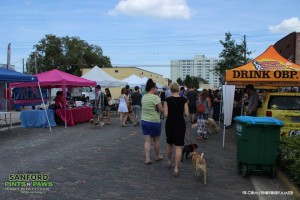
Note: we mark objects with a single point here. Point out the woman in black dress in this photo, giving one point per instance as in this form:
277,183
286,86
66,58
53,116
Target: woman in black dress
174,109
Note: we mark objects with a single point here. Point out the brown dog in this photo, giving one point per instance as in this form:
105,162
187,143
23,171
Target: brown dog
198,163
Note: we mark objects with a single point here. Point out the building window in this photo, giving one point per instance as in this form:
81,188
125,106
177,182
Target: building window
116,71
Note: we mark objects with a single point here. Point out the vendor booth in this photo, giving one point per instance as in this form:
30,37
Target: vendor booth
269,69
59,79
9,76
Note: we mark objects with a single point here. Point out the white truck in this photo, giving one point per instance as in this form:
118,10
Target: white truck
89,93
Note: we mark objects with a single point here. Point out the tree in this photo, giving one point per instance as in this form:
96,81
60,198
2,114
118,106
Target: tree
191,81
68,54
195,82
188,81
202,80
179,81
233,55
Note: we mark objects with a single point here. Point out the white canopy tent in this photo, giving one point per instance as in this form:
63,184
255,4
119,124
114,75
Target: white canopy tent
134,80
102,78
145,79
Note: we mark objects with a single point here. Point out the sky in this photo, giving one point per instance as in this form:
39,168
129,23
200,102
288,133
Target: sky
146,33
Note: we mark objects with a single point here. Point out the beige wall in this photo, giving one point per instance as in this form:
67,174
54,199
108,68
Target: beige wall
124,72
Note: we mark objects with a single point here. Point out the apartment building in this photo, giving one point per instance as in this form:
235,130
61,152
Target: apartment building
200,66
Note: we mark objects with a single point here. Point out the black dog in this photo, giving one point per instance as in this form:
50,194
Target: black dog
187,149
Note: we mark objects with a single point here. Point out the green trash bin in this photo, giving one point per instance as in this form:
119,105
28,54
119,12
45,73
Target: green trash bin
257,144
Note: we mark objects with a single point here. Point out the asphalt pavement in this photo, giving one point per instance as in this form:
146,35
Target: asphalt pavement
84,162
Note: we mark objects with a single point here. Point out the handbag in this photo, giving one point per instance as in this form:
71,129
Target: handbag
111,102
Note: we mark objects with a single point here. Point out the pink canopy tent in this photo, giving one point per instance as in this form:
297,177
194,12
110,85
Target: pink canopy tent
56,79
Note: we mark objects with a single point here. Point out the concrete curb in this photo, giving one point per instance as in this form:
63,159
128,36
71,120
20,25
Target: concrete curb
285,181
8,125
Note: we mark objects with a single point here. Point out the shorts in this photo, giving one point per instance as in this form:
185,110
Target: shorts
151,128
107,108
136,110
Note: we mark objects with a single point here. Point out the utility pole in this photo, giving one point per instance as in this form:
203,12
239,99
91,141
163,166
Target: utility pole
245,50
8,56
23,65
35,62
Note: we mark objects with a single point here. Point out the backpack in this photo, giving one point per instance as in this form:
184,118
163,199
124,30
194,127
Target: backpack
201,107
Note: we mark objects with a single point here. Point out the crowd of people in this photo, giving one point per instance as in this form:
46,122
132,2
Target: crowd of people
177,105
173,104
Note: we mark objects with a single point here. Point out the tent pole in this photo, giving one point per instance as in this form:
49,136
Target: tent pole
224,126
44,106
243,101
65,104
221,107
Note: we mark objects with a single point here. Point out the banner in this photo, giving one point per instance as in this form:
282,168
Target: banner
29,96
228,100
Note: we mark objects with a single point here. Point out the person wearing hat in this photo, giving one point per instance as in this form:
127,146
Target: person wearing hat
253,101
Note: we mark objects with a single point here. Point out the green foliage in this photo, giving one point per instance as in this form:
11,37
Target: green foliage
195,82
191,81
202,80
188,81
289,157
179,81
68,54
232,56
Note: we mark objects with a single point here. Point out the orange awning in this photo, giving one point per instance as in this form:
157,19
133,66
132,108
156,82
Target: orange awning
268,69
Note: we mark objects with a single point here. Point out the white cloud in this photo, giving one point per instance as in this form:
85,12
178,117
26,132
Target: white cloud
166,9
287,25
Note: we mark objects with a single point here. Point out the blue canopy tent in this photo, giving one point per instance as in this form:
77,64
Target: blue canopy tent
7,75
11,76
